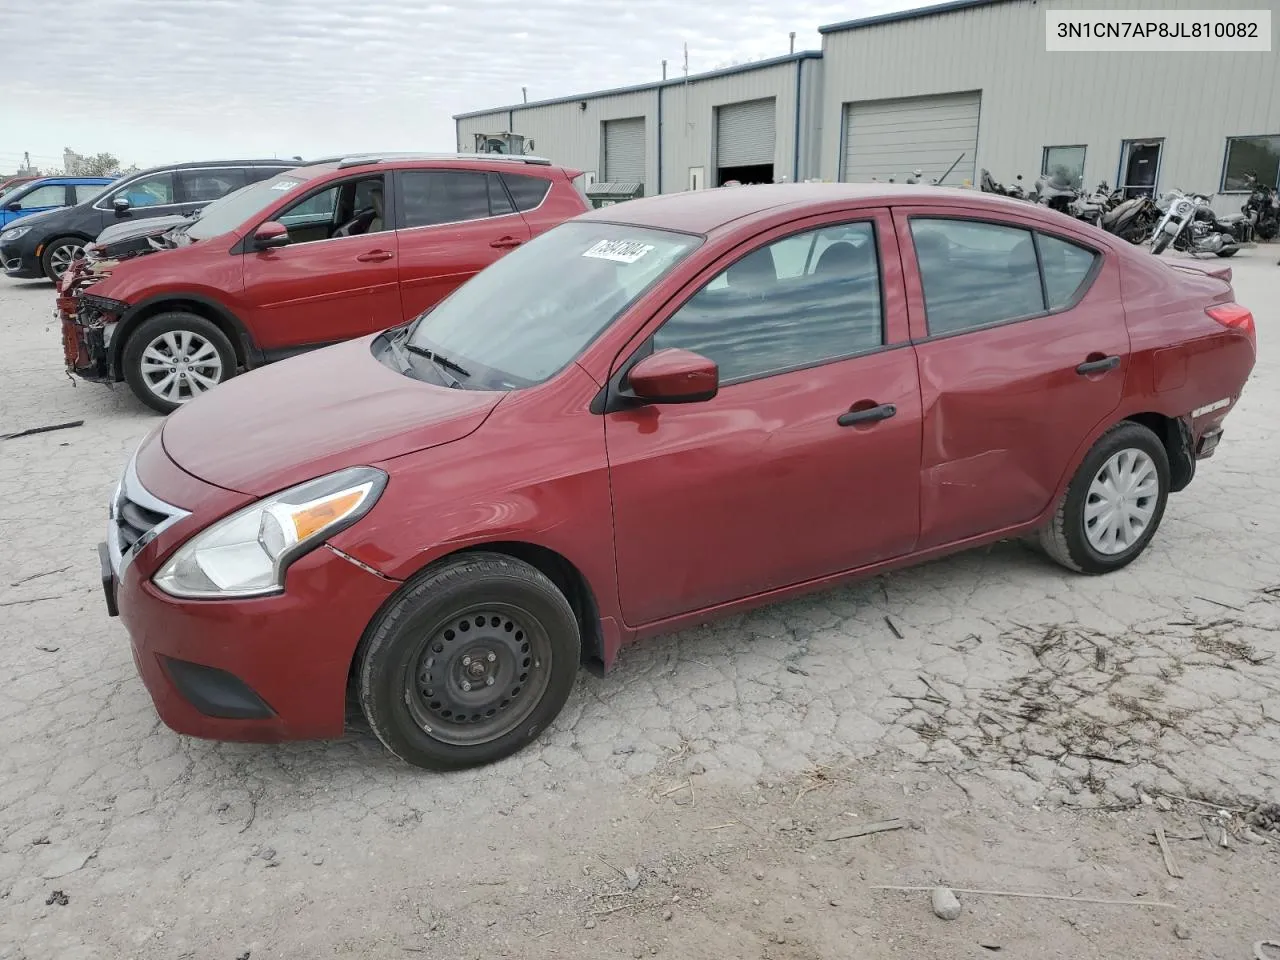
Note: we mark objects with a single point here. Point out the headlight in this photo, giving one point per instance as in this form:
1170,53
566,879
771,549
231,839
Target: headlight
247,553
13,234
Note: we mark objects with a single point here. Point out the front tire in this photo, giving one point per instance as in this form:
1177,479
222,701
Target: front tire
58,254
472,661
174,357
1114,503
1229,252
1160,243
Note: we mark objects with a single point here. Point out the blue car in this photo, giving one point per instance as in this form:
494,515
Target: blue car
48,193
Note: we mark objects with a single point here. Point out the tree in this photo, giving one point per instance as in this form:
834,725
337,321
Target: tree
101,165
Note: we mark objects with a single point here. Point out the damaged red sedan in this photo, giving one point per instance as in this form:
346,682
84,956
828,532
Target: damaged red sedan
657,413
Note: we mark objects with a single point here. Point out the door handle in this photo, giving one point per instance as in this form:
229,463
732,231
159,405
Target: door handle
870,415
506,243
1098,366
375,256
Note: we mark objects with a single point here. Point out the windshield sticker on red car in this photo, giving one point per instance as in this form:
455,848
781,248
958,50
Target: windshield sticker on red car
285,184
619,251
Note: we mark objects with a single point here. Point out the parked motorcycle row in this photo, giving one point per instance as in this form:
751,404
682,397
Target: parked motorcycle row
1184,221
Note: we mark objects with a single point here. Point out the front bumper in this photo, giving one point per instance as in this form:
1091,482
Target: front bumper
260,669
19,261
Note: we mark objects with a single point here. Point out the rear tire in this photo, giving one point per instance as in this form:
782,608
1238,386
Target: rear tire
469,663
174,357
1120,489
1231,252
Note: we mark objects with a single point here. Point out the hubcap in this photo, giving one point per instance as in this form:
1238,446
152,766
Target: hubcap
179,365
479,675
1121,502
62,256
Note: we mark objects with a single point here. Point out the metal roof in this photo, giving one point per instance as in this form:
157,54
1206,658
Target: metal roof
640,87
913,14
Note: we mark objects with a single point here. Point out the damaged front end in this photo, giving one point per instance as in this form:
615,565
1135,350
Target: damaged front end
88,321
86,335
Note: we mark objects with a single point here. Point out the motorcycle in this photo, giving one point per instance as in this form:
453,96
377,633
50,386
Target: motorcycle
1132,220
1262,209
1180,227
988,184
1055,191
1236,225
1093,206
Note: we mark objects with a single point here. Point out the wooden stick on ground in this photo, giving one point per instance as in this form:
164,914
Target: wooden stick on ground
862,830
1039,896
1166,853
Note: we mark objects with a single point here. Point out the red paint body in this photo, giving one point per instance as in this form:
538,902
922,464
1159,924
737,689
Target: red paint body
674,513
279,301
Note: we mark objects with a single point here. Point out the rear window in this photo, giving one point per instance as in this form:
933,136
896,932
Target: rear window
527,192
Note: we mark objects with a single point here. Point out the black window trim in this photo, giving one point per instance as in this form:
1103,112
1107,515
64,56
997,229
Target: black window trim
1082,290
453,223
611,399
1226,154
245,244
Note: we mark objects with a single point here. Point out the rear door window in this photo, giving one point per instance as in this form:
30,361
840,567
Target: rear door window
431,197
87,191
975,274
202,186
527,191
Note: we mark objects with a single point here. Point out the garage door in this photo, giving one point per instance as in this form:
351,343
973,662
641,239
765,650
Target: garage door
745,133
624,150
891,138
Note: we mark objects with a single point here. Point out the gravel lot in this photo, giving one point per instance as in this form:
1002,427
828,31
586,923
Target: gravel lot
712,764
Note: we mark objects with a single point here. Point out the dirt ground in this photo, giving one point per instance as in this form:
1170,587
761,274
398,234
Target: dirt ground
1027,730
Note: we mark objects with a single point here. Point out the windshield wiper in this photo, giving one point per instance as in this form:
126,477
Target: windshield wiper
443,363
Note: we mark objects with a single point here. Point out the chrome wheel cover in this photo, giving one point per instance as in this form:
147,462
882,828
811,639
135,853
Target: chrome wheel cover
1121,502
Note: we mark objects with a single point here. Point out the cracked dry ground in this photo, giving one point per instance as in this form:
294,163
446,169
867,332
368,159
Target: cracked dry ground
1030,727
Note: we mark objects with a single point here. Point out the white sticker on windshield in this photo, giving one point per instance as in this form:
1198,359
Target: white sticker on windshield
285,184
619,251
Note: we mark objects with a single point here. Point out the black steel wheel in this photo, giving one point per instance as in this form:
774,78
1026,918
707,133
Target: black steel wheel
469,663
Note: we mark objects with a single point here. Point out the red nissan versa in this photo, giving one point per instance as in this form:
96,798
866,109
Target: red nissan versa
306,258
659,412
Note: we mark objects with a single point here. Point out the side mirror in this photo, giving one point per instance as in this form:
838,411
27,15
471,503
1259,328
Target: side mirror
13,205
270,235
121,204
674,376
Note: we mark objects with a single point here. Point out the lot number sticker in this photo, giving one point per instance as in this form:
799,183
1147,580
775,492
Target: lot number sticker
619,251
285,184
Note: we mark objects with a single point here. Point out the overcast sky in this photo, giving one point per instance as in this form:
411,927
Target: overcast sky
155,81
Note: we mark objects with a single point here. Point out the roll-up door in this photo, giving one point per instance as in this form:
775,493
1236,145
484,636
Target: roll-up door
746,133
624,150
891,138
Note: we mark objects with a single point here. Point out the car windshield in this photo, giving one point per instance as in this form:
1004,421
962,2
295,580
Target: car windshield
530,314
229,212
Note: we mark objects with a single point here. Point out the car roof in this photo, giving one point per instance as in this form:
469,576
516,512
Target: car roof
71,178
284,164
412,161
704,211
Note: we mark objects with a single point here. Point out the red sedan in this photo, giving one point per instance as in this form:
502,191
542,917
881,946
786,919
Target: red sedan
658,412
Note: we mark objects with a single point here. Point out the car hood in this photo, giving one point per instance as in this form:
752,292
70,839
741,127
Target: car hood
133,229
317,413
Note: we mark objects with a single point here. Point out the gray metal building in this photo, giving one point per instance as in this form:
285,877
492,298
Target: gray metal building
753,123
918,88
969,80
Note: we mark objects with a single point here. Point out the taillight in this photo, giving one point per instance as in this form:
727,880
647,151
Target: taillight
1234,316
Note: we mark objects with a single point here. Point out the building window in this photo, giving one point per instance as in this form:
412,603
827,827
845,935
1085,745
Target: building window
1069,161
1256,156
